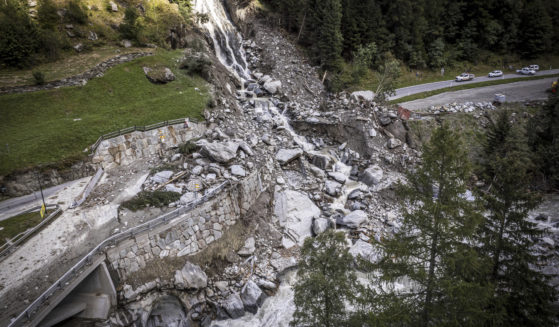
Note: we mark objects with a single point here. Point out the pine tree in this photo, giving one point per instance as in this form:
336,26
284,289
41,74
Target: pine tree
522,295
325,17
326,282
433,249
535,30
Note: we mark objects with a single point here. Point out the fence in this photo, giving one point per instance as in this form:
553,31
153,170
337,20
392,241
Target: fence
139,129
66,279
85,193
11,245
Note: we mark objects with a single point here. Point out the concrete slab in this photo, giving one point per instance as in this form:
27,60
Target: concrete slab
62,312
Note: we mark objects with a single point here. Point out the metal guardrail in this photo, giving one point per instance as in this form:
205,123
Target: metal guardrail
11,245
59,285
137,128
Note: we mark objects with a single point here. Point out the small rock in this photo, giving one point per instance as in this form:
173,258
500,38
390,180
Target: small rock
233,305
320,225
249,247
252,296
372,175
78,47
285,156
394,143
238,170
353,219
190,276
113,5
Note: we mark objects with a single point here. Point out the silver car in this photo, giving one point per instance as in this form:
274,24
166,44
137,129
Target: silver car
526,71
495,73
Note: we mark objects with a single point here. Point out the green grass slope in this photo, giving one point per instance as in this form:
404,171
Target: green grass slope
56,125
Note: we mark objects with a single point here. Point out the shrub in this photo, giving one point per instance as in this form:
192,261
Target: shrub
39,77
188,148
153,199
76,12
129,29
198,63
51,43
19,34
46,15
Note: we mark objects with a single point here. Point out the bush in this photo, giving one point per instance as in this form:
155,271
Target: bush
47,16
157,199
39,78
188,148
197,63
19,35
129,29
76,12
51,43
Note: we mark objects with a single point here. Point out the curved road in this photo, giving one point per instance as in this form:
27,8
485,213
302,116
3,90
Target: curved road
405,91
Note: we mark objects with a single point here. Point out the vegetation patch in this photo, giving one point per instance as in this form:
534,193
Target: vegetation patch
188,148
17,224
156,199
49,126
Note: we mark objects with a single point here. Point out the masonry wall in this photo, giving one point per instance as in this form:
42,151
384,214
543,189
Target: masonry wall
189,233
124,149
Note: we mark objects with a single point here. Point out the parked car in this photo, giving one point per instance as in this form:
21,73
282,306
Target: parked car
534,67
496,73
465,77
526,71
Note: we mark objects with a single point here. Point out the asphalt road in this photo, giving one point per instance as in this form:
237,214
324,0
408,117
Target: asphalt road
514,92
405,91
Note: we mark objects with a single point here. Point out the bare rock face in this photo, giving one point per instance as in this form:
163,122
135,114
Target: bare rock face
160,75
190,276
295,212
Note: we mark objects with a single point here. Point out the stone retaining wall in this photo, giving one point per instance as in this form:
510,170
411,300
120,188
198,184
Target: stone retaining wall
189,233
77,80
124,149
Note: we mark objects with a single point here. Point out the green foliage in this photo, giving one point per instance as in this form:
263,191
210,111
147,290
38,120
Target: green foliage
19,39
46,15
365,58
156,199
433,249
544,140
326,282
197,63
387,76
77,13
325,19
129,28
39,78
188,148
522,294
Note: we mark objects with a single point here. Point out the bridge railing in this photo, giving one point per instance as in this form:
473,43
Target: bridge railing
137,128
73,272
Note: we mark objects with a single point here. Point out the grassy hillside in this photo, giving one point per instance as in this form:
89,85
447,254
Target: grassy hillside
50,126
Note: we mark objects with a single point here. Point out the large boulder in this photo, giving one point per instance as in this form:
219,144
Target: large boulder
285,156
393,143
320,160
233,305
220,152
337,176
159,75
353,219
295,212
190,276
252,296
372,175
332,188
272,86
363,95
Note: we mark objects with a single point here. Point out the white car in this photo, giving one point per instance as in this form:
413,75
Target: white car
465,77
495,73
526,71
534,67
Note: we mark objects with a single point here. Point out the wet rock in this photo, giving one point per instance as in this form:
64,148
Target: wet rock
320,225
252,296
372,175
162,176
190,276
338,177
332,188
220,152
238,170
353,219
285,156
249,247
234,307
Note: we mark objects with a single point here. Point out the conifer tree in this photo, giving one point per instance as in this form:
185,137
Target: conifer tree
325,17
433,248
522,295
326,282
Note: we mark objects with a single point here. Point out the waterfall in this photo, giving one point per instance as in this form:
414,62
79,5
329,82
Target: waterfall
226,38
